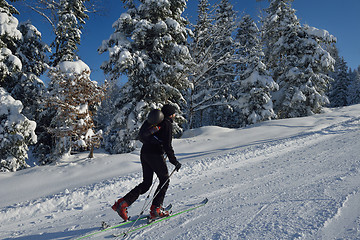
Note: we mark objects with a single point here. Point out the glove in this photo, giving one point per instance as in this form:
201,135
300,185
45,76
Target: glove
175,163
177,166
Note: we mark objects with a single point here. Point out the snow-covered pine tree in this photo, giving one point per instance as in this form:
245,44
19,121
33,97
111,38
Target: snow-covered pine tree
72,93
28,87
201,48
10,36
72,17
27,46
338,95
220,113
309,76
149,45
354,92
298,61
280,20
22,61
16,134
107,111
253,100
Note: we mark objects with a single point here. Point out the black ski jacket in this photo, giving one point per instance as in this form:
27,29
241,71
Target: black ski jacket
160,142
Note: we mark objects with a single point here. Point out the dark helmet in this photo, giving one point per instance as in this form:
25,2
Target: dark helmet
155,117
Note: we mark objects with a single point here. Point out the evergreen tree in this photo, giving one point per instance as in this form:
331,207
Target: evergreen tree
339,86
354,92
23,60
72,95
214,53
298,61
107,110
72,17
28,87
201,48
28,62
280,18
16,134
253,102
10,36
149,46
222,77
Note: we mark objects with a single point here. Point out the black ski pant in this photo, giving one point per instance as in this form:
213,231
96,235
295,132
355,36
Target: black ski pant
151,163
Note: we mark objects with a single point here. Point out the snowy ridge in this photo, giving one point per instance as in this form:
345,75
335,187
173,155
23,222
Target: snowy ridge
302,183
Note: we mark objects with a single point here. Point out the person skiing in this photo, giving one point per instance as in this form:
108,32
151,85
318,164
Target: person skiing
156,136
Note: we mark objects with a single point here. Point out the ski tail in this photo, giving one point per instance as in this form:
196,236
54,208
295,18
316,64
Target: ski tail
106,227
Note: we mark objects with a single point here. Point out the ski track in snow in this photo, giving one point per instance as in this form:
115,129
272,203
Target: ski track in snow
303,187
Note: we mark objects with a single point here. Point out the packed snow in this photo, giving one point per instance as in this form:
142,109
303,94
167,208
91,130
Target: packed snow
285,179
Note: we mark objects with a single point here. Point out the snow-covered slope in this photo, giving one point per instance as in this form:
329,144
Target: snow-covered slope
284,179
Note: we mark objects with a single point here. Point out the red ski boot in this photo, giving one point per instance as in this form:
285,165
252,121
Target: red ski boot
120,207
158,212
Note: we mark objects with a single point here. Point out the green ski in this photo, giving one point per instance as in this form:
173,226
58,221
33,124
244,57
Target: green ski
125,234
108,228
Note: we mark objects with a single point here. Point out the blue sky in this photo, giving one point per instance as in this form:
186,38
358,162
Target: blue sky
340,18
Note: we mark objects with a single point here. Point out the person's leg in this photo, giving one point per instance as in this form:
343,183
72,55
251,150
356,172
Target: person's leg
143,187
161,170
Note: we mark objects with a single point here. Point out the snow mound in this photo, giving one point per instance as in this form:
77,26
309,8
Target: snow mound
77,67
320,33
207,131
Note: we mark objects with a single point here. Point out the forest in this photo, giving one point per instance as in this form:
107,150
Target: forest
225,70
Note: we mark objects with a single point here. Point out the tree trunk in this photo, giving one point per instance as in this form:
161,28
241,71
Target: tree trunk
91,154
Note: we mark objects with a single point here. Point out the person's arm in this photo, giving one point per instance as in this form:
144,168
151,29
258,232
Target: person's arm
167,146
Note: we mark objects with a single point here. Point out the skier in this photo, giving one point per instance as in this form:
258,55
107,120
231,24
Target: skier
155,144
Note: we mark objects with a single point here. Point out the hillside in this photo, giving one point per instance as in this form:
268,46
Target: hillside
285,179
